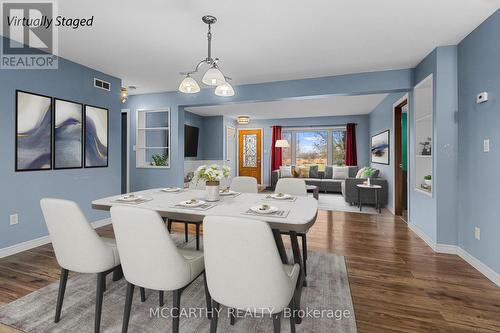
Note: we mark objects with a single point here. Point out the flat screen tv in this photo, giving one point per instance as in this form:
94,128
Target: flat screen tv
191,141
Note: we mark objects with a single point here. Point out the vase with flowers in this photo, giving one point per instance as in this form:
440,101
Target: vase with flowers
212,175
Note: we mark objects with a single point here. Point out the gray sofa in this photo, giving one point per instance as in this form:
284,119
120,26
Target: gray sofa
347,187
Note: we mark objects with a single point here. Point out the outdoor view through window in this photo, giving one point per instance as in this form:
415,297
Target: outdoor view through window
314,147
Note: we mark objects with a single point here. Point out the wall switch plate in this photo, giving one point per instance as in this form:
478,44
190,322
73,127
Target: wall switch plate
486,145
477,233
482,97
14,219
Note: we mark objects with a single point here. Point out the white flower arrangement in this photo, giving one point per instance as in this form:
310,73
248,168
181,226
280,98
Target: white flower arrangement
212,173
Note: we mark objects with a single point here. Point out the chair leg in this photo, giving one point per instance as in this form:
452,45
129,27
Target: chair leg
101,278
277,322
128,306
304,252
186,227
169,225
60,295
197,236
292,317
143,294
176,310
117,273
232,317
207,297
161,299
215,316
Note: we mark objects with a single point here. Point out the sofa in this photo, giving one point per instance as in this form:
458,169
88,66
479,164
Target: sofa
327,182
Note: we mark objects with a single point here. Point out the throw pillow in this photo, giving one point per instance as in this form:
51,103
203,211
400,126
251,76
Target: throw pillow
340,173
285,171
313,171
304,172
360,172
328,172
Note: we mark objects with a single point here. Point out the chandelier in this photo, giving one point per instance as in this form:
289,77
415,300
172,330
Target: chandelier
213,76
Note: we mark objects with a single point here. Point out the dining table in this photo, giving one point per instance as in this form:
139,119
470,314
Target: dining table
296,215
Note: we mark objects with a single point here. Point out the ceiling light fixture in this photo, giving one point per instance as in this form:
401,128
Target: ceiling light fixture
243,120
213,76
123,94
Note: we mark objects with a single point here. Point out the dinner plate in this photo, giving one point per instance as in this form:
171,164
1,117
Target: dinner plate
130,197
280,196
171,189
259,210
191,203
230,192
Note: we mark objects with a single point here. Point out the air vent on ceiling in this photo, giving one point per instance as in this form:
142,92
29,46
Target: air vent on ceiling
102,84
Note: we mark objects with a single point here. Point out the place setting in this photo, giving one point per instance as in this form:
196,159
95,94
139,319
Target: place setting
195,204
227,192
133,199
281,197
173,189
266,210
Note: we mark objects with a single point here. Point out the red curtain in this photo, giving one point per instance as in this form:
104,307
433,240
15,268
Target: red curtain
275,152
351,155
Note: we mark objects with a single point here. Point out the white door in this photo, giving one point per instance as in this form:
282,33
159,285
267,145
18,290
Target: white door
231,149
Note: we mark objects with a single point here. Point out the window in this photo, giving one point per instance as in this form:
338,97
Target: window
286,153
314,146
311,149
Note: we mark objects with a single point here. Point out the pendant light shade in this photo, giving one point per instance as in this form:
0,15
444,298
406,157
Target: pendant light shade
213,77
224,90
189,85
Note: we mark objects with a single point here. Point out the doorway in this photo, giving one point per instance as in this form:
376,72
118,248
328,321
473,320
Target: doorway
401,159
124,152
250,153
231,149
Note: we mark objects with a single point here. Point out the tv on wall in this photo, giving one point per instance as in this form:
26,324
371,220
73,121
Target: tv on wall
191,134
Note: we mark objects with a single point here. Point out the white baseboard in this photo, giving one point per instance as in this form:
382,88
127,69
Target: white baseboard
28,245
457,250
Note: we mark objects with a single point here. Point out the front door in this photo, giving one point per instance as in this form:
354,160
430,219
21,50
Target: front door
250,153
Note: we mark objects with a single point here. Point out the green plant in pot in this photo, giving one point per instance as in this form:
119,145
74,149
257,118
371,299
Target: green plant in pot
159,159
212,175
368,174
428,180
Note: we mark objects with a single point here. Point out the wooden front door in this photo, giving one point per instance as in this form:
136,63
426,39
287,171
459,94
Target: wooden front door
250,153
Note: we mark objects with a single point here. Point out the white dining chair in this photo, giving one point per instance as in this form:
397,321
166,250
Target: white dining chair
293,186
150,258
246,272
297,187
244,184
78,248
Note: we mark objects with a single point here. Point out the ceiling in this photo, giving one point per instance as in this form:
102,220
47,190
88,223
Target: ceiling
315,107
147,43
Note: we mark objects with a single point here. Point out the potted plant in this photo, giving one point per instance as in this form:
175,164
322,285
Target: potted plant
212,176
159,160
369,172
428,180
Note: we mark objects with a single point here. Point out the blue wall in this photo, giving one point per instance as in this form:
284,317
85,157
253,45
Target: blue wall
353,84
213,140
381,119
362,141
479,70
22,191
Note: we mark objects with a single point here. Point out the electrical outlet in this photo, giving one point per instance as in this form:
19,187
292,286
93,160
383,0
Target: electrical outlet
14,219
486,145
477,233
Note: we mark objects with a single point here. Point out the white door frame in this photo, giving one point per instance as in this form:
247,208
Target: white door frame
394,106
127,111
235,148
261,151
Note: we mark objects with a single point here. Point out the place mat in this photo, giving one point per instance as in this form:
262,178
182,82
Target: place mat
279,213
205,206
135,202
270,198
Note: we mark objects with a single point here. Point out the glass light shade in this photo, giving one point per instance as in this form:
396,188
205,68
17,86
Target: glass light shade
282,144
189,86
243,120
213,77
224,90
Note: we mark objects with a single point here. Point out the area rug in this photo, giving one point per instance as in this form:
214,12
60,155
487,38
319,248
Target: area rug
326,302
336,202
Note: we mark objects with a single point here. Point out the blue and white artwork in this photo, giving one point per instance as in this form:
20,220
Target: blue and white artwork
68,134
33,132
380,148
96,137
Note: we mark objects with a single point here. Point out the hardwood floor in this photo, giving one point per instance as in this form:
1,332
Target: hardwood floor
398,283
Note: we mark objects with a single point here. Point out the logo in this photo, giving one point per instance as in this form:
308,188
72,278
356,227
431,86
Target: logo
30,41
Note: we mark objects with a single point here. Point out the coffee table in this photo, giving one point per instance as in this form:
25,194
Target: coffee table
315,191
376,188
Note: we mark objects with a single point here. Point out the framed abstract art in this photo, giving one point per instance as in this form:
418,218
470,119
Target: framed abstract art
68,134
33,132
380,148
96,137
